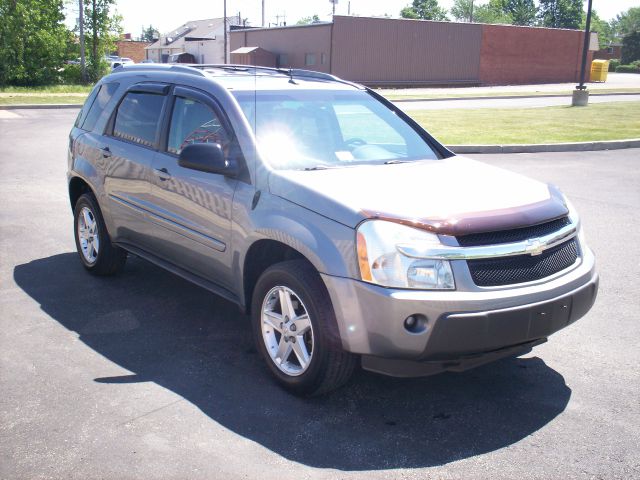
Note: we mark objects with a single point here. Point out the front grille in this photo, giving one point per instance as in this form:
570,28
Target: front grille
515,235
494,272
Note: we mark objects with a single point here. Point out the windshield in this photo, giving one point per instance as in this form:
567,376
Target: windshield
309,129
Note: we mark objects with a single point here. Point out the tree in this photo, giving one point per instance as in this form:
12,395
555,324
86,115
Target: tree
102,29
425,10
308,20
492,12
604,30
522,12
463,10
631,47
561,13
149,34
32,41
627,22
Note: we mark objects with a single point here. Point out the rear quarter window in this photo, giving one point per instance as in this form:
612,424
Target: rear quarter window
94,105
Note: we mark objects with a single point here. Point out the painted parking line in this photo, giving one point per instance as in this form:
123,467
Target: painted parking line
6,114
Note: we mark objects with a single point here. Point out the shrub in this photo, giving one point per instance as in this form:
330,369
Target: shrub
627,69
613,64
631,48
71,75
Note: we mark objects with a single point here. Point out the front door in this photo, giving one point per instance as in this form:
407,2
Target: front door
192,209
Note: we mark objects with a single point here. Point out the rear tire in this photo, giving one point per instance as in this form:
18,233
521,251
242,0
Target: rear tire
97,254
299,342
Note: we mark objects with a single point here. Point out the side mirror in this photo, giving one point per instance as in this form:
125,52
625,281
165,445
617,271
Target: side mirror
206,157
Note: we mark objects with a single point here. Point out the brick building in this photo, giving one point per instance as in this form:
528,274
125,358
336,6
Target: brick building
400,52
131,49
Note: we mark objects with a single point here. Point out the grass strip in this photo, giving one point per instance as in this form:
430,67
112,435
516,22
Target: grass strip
42,99
489,126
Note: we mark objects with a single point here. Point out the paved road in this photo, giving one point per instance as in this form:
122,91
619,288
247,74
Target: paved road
146,376
526,102
618,81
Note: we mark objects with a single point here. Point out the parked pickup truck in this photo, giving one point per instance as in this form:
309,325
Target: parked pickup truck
347,233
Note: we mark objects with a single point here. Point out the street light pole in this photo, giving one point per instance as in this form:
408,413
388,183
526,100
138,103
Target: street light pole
83,63
224,23
581,94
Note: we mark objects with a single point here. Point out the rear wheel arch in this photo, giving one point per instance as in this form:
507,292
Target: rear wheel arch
77,188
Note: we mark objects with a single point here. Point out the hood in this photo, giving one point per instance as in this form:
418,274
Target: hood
453,196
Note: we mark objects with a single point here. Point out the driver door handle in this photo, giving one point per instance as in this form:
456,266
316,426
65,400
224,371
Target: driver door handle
163,173
106,152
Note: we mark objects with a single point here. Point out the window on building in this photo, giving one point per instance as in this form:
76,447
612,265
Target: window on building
283,60
610,50
309,58
193,122
138,117
323,58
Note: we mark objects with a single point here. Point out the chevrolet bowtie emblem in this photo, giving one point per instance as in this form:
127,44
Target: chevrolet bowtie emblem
535,247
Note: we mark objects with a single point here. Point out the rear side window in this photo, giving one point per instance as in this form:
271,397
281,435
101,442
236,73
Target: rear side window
97,107
138,117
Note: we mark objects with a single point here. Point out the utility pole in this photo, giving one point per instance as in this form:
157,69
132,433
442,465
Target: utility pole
471,13
224,23
581,94
83,63
263,24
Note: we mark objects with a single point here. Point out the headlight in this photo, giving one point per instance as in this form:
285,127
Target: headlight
381,262
575,219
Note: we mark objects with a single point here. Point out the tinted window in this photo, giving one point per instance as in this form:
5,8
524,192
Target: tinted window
104,95
87,106
138,117
195,122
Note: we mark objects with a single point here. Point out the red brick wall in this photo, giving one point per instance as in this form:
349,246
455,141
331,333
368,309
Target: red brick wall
519,55
604,54
133,50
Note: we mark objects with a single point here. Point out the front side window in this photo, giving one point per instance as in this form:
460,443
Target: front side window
326,128
138,117
194,122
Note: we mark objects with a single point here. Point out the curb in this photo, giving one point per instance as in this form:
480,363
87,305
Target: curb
44,106
547,147
461,149
48,106
505,97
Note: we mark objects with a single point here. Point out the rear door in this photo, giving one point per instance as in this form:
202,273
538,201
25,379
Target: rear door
128,149
192,209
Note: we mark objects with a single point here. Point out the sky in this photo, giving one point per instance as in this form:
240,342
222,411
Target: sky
166,15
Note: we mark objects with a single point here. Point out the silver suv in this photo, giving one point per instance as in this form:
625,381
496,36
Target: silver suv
344,229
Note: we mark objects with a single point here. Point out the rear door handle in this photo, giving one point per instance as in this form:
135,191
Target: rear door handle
106,152
163,173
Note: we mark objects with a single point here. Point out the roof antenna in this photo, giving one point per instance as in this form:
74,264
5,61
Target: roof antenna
291,80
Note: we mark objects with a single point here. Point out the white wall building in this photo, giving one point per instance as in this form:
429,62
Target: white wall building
204,39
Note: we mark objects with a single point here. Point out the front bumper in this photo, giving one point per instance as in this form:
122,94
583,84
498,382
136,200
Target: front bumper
463,328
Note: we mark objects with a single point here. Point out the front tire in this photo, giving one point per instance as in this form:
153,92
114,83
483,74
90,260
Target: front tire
97,254
296,332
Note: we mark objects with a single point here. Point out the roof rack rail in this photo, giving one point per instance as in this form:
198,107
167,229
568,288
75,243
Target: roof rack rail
293,72
160,66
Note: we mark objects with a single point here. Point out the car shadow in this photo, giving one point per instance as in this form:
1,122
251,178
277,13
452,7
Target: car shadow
185,339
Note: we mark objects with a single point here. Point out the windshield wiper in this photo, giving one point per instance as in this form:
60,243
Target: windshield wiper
391,162
318,167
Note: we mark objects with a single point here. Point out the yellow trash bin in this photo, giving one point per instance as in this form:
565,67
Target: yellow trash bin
599,70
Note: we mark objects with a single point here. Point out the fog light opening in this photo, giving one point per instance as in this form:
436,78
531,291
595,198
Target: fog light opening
415,323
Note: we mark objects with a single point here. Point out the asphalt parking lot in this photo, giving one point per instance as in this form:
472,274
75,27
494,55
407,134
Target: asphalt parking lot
147,376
